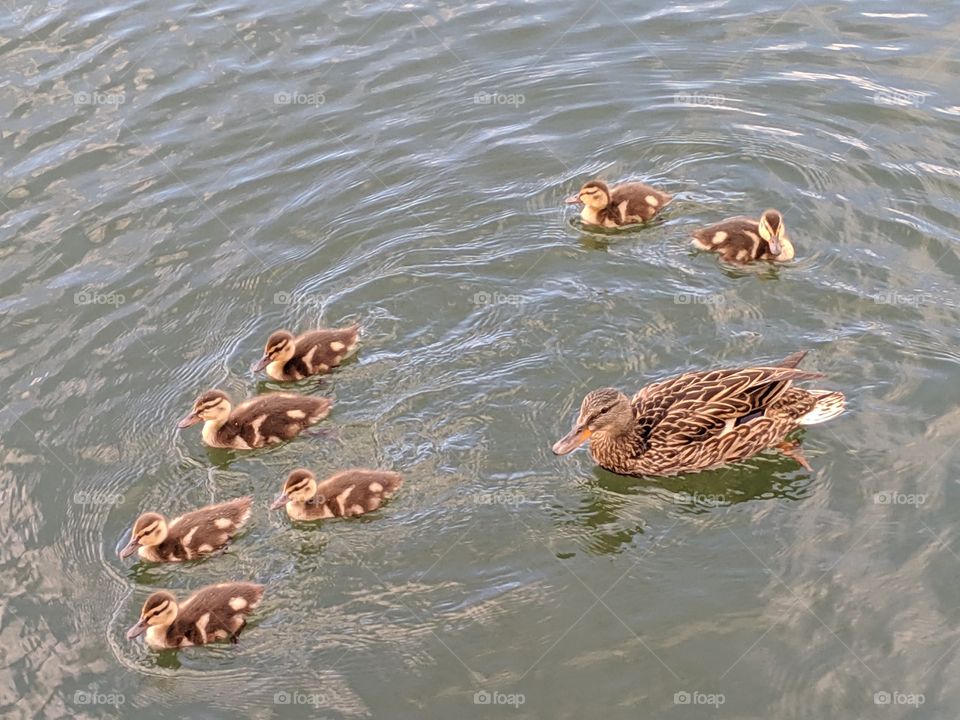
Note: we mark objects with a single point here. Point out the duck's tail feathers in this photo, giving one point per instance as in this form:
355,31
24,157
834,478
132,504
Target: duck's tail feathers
829,404
793,359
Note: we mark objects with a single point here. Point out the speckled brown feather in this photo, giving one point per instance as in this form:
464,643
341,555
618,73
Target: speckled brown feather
284,416
702,420
224,622
740,243
347,494
199,532
318,351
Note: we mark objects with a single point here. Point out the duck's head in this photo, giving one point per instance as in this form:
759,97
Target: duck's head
772,230
595,194
212,405
160,610
602,411
300,486
150,529
280,348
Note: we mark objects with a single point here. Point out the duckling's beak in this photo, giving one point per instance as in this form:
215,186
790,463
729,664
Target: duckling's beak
260,364
573,200
130,548
774,244
191,419
137,630
280,502
572,440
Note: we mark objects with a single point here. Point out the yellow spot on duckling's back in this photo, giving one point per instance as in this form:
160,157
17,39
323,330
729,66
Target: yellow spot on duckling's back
238,603
337,346
223,523
652,200
296,414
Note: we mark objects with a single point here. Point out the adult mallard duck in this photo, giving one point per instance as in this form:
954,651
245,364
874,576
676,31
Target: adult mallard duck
211,614
187,536
700,420
264,420
286,357
742,240
345,494
624,204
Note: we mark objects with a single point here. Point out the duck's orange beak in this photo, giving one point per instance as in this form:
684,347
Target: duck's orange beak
573,200
191,419
572,440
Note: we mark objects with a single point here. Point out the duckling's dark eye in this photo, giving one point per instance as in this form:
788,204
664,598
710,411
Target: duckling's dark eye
606,409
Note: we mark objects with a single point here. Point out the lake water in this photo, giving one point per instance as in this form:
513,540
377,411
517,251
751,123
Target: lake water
179,180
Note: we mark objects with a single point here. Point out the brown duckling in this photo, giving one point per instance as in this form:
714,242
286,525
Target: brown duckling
624,204
286,357
743,240
263,420
700,420
345,494
213,613
187,536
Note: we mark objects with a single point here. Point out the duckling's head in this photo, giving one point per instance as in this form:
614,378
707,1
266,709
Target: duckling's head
160,610
602,411
150,529
300,486
771,229
280,347
595,194
212,405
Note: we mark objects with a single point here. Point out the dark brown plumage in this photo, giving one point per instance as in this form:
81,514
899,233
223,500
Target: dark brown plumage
347,493
263,420
624,204
743,240
211,614
187,536
700,420
287,358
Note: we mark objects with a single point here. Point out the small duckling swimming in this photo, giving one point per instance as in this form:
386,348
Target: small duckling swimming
743,240
287,358
212,614
261,421
346,494
187,536
624,204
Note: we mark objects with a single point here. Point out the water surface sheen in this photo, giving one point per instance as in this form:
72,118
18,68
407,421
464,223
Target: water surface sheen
181,179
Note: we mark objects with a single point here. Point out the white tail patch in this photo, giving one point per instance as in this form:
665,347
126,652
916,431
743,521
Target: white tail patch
829,405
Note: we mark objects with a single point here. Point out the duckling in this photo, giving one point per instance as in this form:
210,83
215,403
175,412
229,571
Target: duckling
211,614
624,204
345,494
286,357
743,240
261,421
187,536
